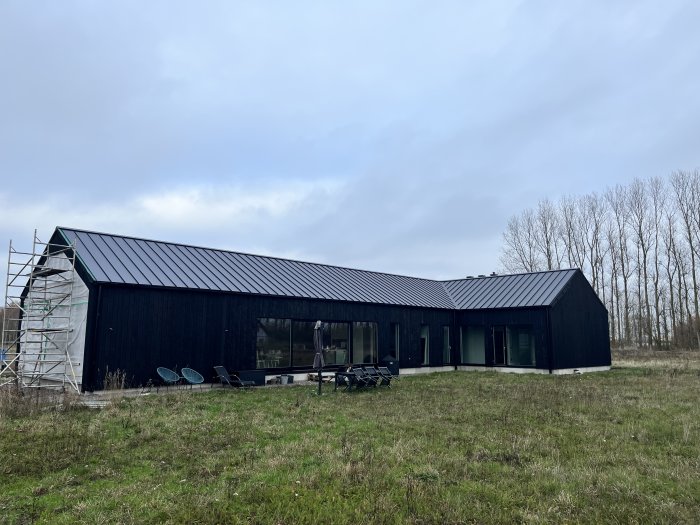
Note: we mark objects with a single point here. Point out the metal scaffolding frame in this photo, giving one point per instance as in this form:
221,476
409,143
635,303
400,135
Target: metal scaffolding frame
36,326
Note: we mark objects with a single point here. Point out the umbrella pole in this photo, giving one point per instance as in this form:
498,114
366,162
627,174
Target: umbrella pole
318,345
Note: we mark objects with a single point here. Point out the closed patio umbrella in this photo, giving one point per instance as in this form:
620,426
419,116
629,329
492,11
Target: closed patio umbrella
319,363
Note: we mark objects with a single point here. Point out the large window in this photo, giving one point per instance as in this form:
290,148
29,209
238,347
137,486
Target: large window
336,341
472,345
303,350
446,347
273,343
425,343
395,340
521,346
364,342
284,343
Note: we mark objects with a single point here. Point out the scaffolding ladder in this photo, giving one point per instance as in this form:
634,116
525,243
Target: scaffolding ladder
36,329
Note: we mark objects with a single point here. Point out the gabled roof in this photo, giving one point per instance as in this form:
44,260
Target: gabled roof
127,260
508,291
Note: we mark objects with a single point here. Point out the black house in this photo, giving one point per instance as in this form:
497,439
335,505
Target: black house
150,303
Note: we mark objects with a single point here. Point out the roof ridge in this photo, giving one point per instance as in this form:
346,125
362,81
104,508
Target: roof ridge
492,276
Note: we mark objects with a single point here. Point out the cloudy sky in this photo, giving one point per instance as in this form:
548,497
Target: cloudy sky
395,136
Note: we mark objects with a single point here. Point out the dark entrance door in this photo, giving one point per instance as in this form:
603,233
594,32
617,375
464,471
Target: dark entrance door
499,345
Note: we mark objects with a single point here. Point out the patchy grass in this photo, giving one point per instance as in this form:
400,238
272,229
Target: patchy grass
657,358
460,447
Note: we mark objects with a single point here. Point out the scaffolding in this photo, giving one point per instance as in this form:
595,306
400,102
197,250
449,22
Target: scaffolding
37,326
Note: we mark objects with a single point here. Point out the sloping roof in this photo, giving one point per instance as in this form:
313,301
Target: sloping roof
117,259
128,260
508,291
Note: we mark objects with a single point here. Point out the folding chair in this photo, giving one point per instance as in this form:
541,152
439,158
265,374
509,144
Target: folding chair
386,375
231,380
374,375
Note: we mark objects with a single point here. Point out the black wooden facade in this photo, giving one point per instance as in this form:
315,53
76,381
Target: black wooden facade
135,328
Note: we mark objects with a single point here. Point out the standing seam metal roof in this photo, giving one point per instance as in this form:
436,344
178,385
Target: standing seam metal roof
128,260
508,291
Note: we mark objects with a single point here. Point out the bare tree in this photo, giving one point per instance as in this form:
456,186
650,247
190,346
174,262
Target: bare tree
593,214
638,204
571,232
639,245
615,314
686,189
547,234
617,203
657,197
520,254
668,237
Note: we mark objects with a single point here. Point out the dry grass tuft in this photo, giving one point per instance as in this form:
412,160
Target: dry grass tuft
115,380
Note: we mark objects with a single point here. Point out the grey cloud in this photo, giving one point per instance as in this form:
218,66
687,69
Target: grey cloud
437,121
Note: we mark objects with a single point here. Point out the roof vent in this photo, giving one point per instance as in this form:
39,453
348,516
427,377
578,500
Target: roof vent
482,275
493,274
470,277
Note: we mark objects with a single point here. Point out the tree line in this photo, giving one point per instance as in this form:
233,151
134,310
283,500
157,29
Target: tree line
638,245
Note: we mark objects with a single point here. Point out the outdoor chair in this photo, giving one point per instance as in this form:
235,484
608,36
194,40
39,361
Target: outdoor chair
370,375
375,376
383,378
231,380
344,378
362,378
386,374
168,376
192,377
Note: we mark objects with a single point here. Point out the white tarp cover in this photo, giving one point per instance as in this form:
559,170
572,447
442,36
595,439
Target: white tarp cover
48,328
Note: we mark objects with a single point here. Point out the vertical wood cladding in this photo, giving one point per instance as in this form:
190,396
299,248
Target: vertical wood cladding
531,317
140,329
136,329
579,324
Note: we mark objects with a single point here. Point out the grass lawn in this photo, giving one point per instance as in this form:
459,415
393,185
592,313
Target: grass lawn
460,447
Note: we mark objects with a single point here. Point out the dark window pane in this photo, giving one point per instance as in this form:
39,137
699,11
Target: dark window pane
446,348
395,340
425,343
364,342
336,343
273,343
303,350
521,346
473,345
